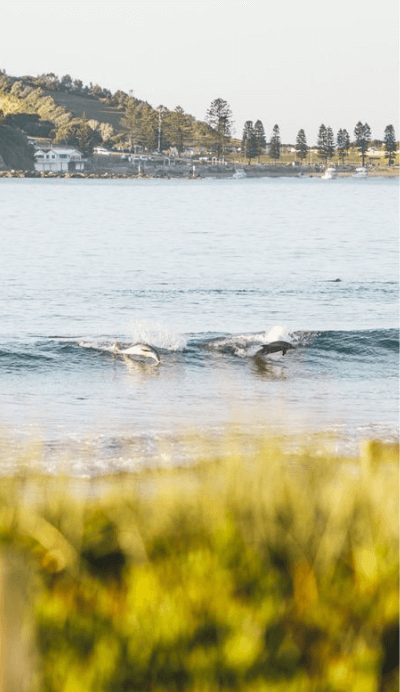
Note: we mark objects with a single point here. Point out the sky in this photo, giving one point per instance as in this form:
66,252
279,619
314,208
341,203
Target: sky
291,63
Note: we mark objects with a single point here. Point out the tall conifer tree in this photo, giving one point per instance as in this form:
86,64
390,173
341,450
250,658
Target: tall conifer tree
219,118
321,141
275,144
330,143
342,144
362,134
249,144
261,141
130,123
301,145
390,143
140,123
325,143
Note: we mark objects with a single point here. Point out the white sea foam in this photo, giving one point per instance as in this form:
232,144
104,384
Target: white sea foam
157,335
278,333
248,344
106,346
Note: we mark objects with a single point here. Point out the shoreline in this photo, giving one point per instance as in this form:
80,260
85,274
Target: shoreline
195,172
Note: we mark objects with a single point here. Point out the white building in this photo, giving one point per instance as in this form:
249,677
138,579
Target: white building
59,159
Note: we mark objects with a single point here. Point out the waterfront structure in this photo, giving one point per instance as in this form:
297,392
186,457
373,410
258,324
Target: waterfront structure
59,159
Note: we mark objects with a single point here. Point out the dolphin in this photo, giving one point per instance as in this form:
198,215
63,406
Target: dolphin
274,347
143,350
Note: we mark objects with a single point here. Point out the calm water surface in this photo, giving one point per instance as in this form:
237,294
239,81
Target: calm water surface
205,271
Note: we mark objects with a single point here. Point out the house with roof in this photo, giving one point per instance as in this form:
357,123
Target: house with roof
59,159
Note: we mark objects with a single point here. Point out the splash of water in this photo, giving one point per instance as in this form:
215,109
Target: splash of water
156,335
278,333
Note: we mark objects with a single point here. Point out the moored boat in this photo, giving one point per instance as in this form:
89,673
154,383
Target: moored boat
361,172
330,173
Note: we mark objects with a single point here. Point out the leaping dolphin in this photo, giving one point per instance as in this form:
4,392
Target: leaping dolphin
274,347
143,350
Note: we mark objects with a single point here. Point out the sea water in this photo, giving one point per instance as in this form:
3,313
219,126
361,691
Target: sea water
205,271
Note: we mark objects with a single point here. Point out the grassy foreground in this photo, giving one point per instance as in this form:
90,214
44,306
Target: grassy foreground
254,572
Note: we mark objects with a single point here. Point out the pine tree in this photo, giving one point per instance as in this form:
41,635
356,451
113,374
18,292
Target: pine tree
301,145
129,123
148,122
325,143
390,143
321,141
362,134
178,128
249,144
219,118
261,141
330,143
275,144
342,144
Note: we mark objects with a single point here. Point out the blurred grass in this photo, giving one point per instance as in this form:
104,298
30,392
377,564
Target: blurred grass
256,571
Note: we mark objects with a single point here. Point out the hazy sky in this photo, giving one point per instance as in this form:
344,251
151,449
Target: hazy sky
291,62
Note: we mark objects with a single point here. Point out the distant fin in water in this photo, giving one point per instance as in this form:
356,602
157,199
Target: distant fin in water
143,350
275,347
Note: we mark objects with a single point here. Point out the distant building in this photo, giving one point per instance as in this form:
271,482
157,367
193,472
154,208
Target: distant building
59,159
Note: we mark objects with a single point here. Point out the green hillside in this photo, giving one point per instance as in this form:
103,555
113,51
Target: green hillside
86,116
94,108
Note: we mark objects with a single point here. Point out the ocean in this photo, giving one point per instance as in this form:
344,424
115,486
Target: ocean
205,271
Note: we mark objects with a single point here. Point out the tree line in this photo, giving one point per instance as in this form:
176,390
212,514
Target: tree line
26,105
254,143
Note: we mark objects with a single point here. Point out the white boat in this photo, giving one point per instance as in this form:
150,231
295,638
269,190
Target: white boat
239,173
330,173
361,172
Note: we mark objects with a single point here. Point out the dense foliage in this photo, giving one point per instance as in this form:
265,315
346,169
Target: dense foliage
259,571
15,150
